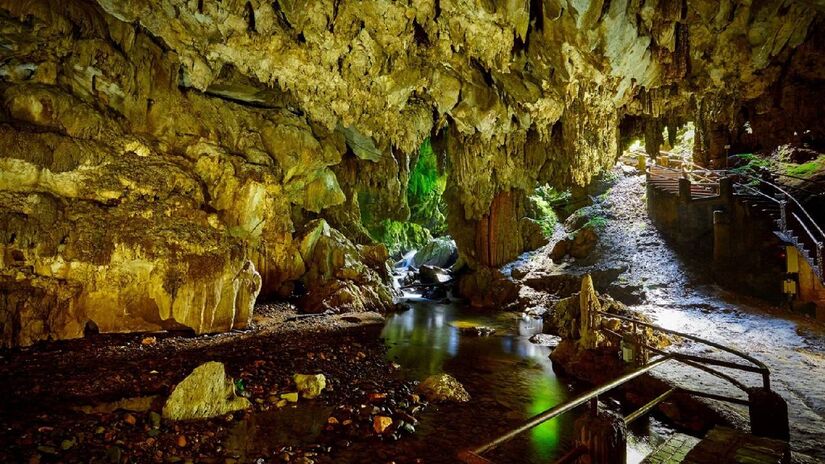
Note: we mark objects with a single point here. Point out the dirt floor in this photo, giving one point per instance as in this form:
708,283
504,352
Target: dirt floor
44,386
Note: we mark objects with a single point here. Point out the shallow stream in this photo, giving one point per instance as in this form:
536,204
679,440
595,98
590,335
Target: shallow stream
509,378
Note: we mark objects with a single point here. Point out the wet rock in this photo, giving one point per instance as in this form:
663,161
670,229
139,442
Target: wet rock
337,278
556,283
439,252
548,340
472,329
433,275
206,392
310,386
136,404
435,293
486,287
518,273
443,388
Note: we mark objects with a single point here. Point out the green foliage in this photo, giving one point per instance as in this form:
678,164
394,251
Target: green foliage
806,169
425,191
400,237
752,163
685,136
597,222
546,198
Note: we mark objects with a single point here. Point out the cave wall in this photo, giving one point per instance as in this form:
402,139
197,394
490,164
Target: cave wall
165,162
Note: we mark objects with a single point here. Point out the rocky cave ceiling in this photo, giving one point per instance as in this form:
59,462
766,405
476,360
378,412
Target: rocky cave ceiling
165,161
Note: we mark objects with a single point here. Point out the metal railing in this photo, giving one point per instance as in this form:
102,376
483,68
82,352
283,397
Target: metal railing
796,224
474,456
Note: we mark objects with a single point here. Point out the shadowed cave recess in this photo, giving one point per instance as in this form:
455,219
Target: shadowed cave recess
187,167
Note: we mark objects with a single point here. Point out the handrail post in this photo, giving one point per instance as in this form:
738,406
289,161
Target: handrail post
784,213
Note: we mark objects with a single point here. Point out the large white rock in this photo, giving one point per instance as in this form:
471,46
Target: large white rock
206,392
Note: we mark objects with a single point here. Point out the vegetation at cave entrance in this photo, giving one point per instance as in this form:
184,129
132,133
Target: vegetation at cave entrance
545,199
425,192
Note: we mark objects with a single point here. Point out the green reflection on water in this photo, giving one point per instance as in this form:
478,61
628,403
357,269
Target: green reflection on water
545,392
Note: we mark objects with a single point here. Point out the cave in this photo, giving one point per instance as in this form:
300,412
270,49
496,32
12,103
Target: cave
338,231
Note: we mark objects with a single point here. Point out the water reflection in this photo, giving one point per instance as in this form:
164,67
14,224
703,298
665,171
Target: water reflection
509,378
262,432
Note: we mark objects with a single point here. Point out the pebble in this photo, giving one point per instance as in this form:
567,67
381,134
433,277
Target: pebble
381,423
181,441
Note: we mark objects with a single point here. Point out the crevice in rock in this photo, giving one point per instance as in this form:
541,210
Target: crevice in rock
536,15
281,16
249,16
420,35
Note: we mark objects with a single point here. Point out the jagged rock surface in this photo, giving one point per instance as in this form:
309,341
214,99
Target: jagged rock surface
160,156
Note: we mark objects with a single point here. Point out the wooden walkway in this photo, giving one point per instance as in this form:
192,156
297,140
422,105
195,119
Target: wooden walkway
721,445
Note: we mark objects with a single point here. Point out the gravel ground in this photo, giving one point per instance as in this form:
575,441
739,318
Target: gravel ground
42,387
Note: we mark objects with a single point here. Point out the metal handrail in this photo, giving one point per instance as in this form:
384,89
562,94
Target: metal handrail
791,198
567,406
763,369
592,395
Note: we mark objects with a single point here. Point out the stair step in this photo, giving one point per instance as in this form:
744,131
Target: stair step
674,450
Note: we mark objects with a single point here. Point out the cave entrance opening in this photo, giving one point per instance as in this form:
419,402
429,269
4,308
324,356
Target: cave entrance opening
424,225
676,141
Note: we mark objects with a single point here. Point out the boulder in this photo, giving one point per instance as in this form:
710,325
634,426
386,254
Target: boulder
440,252
487,287
581,217
543,339
518,273
433,275
560,249
578,244
443,388
206,392
584,241
310,385
338,275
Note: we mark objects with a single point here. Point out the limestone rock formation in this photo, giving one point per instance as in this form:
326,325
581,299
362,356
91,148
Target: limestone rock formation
161,158
206,392
443,388
339,276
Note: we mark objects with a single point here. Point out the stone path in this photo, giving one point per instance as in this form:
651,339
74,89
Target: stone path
680,299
